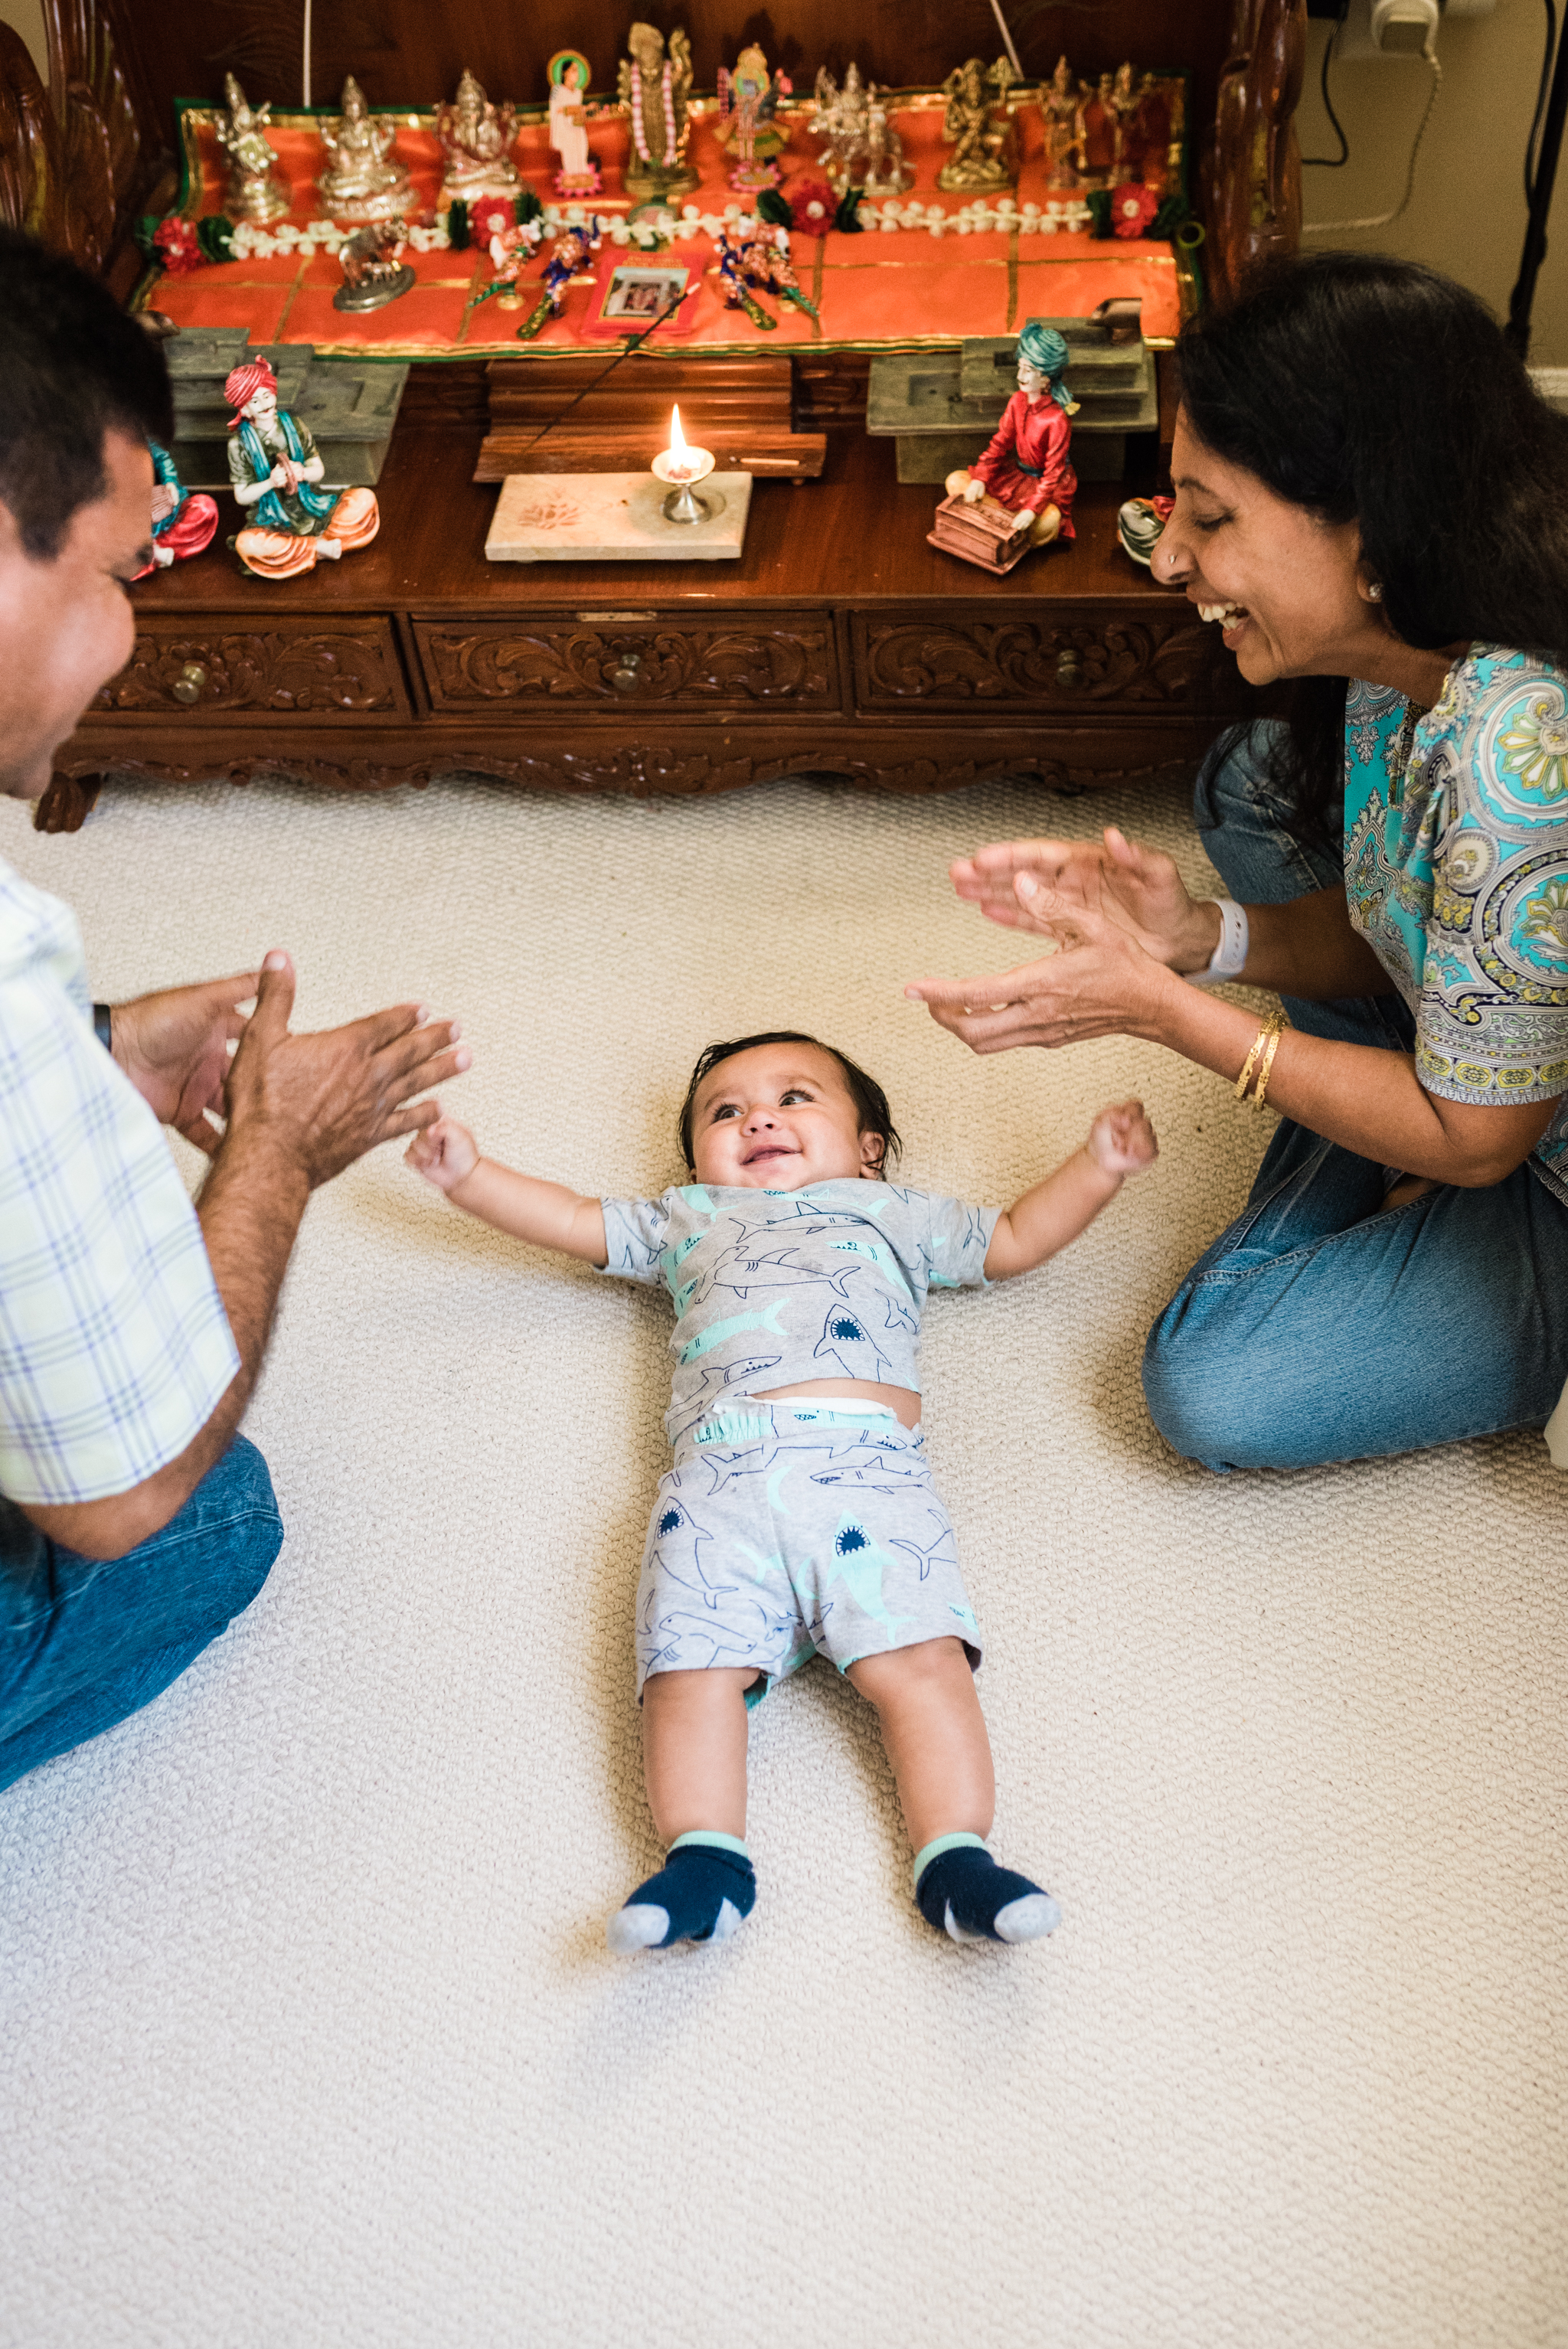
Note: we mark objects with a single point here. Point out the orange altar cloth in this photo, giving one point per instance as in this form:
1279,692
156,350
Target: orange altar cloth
878,290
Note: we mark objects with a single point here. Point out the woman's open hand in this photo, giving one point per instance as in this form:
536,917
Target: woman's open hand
1034,884
1100,981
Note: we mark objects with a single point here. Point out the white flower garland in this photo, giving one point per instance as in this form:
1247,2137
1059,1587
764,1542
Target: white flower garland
979,218
251,242
639,136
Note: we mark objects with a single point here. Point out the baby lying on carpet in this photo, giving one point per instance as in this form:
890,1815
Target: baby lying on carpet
800,1516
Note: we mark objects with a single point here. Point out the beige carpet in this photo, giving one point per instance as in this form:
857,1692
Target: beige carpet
309,2037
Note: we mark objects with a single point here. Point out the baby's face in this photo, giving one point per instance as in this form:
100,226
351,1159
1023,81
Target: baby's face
776,1118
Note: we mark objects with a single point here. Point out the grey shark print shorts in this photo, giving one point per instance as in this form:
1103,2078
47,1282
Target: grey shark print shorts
788,1530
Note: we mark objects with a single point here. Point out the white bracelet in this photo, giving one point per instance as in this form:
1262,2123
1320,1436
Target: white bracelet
1230,956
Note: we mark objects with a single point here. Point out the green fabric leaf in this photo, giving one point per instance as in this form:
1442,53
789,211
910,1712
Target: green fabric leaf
215,235
772,208
847,219
525,207
458,235
1098,202
1169,217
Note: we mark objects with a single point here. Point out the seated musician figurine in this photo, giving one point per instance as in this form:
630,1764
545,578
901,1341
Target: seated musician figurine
183,520
1027,467
273,466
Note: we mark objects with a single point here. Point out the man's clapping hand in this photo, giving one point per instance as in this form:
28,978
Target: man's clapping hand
323,1100
175,1047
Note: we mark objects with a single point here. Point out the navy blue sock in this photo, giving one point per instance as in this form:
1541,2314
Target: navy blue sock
703,1892
960,1889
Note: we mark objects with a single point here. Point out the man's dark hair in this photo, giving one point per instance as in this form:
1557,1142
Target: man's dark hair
72,367
872,1112
1379,392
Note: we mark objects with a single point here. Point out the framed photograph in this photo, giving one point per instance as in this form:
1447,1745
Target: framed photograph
631,295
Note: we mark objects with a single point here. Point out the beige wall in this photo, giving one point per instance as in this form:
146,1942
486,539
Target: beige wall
27,16
1467,214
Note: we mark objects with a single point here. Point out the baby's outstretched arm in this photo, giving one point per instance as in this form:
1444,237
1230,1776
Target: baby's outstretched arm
547,1214
1120,1143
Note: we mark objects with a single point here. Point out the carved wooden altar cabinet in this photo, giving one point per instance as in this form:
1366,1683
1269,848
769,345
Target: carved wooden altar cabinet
840,644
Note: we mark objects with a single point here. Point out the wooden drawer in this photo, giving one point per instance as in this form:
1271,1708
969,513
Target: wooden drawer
1056,663
300,668
613,661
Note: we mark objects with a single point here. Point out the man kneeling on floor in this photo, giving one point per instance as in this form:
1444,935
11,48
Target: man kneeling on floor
135,1522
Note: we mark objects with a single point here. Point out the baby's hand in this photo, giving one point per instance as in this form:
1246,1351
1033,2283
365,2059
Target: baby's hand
446,1153
1121,1140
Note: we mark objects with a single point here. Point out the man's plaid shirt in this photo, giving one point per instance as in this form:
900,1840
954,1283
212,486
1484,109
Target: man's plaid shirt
114,1346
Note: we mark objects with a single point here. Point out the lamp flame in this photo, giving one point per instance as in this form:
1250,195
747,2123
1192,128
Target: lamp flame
677,438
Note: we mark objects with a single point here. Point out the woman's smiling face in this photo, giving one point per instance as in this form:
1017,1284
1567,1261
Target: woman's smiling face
1293,594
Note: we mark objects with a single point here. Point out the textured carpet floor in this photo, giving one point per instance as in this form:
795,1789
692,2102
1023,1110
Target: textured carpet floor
309,2038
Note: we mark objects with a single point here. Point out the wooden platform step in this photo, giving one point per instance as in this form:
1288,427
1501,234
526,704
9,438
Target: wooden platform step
591,415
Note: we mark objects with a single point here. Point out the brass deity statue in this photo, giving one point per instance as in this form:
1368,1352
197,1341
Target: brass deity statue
257,189
360,183
978,124
655,89
476,140
1059,104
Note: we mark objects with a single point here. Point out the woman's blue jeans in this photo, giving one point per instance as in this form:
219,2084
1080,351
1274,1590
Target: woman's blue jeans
84,1642
1323,1326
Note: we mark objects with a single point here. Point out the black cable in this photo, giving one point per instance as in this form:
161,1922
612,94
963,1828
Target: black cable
1332,162
1546,64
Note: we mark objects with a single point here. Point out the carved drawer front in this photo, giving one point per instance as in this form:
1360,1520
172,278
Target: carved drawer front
304,669
609,662
903,662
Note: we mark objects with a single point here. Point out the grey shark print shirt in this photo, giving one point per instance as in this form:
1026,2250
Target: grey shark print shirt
774,1287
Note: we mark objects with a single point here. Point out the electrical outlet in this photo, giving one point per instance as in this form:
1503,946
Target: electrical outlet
1395,29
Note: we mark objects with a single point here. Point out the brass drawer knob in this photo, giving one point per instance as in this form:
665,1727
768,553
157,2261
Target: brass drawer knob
1070,671
628,676
190,684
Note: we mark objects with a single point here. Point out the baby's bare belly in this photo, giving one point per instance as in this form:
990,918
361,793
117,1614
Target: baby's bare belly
902,1402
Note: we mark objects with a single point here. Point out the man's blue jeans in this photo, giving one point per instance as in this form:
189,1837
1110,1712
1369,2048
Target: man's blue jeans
84,1642
1323,1326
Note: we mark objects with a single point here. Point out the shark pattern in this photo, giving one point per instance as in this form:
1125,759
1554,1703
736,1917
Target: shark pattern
847,1344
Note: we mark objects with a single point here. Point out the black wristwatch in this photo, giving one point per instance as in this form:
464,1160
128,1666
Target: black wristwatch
103,1026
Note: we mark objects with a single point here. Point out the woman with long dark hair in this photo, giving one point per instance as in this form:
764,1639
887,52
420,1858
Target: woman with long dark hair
1370,498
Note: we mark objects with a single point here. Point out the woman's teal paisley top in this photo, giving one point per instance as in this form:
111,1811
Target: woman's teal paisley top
1456,867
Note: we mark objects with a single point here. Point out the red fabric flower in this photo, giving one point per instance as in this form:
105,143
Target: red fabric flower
1131,210
174,242
802,197
489,216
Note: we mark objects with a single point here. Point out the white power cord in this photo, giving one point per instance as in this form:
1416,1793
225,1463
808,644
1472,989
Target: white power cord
1386,220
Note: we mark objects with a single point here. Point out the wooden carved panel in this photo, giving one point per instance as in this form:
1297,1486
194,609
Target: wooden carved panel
980,663
321,673
1251,176
611,662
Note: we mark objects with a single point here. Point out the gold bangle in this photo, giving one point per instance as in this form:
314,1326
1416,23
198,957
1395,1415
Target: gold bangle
1263,1043
1262,1083
1271,1026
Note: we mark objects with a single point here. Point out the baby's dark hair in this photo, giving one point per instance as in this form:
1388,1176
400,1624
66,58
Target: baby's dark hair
870,1100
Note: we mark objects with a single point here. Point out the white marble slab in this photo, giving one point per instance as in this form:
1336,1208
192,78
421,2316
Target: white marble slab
613,518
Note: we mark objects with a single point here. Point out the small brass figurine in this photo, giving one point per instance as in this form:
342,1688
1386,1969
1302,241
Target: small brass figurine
654,89
273,466
476,140
360,183
570,75
749,105
1060,104
978,123
841,118
374,272
1097,132
257,190
885,171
